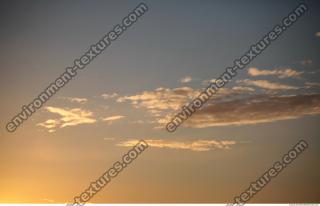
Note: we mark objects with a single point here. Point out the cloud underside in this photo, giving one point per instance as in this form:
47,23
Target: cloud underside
254,110
197,145
68,117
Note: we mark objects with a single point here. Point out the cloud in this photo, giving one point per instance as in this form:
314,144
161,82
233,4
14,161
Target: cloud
255,109
50,124
75,99
197,145
264,84
161,98
310,85
164,100
68,117
207,82
111,119
306,62
317,34
186,79
241,89
109,96
246,102
280,73
109,138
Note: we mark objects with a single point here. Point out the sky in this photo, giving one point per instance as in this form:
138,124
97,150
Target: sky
138,83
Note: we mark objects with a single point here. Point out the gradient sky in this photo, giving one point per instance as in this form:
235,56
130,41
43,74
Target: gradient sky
141,80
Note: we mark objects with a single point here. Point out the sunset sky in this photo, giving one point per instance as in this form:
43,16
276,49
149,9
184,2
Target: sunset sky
141,81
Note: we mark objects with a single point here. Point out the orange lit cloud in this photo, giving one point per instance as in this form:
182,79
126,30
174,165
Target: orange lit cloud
280,73
161,98
75,99
109,96
197,145
111,119
68,117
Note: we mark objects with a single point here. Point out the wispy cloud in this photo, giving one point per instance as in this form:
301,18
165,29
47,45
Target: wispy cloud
111,119
197,145
280,73
186,79
75,99
161,98
109,96
240,89
208,81
68,117
310,85
264,84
